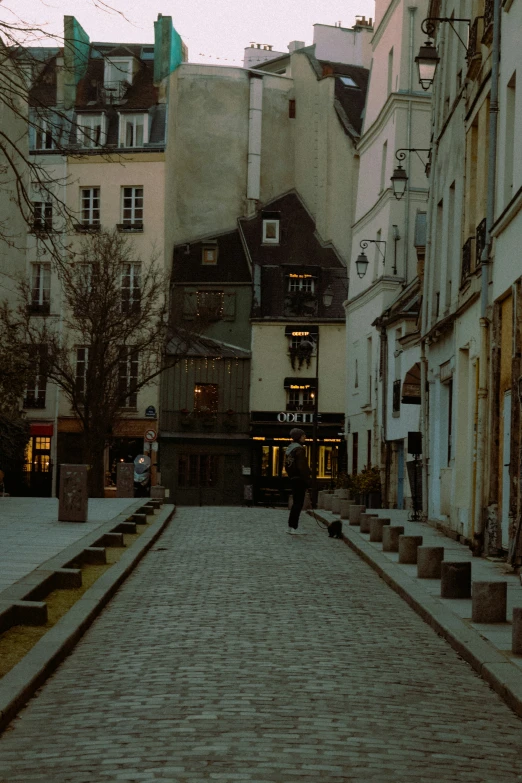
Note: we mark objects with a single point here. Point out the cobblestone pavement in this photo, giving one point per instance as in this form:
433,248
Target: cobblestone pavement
238,653
30,532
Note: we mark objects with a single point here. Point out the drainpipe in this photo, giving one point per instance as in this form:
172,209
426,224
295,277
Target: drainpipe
482,394
412,10
255,119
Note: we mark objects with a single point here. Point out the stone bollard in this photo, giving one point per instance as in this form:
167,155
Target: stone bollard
429,560
390,538
344,494
365,522
327,500
125,480
344,509
336,504
516,639
320,499
377,525
455,580
408,546
488,602
354,515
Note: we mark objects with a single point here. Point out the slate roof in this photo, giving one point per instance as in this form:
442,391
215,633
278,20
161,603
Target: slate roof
232,265
299,250
207,347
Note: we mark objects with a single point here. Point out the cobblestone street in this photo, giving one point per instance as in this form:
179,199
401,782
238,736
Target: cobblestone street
235,652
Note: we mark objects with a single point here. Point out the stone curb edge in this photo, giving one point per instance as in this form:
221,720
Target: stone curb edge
24,679
495,668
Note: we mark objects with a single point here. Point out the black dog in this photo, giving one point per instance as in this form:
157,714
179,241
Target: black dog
335,529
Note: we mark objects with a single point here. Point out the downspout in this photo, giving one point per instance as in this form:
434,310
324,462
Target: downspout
485,259
412,10
255,120
384,354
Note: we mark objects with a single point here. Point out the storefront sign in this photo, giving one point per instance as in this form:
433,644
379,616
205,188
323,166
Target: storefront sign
296,417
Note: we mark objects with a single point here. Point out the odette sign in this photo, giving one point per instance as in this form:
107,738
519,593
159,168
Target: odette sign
290,417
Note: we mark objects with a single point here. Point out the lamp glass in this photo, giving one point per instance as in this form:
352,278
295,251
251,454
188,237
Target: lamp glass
361,264
427,61
399,181
328,297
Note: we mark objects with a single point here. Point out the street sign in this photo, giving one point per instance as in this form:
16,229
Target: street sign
151,435
150,412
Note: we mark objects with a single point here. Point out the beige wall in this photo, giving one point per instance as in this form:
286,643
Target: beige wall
271,365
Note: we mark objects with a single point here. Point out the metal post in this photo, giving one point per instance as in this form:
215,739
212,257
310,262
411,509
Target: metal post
315,427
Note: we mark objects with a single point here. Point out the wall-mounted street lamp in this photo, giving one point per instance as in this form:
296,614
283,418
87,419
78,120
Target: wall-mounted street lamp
428,57
399,179
361,264
328,296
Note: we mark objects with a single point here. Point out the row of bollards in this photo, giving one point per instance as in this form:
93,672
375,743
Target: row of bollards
488,599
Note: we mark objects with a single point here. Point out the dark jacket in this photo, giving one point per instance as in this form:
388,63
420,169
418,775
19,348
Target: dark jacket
296,464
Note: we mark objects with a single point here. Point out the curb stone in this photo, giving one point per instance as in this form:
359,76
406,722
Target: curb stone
493,666
24,679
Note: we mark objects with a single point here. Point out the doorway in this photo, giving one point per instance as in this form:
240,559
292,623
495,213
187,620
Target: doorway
506,461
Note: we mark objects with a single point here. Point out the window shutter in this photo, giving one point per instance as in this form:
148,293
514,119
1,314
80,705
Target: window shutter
229,310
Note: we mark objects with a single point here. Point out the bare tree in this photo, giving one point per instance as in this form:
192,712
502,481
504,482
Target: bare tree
14,371
110,341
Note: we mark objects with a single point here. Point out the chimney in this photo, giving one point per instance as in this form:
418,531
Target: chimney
294,45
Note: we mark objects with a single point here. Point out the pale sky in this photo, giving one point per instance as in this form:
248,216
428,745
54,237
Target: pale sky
215,31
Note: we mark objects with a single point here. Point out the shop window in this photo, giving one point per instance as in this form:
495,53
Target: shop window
327,468
206,397
265,461
198,470
38,455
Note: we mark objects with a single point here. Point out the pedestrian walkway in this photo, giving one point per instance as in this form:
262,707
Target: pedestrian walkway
30,532
235,652
482,570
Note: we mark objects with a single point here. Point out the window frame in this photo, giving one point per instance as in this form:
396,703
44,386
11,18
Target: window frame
84,130
41,283
35,391
133,208
132,302
266,240
42,216
43,128
301,282
91,209
122,130
80,379
129,360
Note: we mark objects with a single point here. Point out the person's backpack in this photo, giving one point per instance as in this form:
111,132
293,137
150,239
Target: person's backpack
290,460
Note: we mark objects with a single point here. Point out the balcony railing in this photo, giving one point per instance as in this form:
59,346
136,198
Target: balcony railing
87,228
467,254
35,308
195,421
480,241
34,402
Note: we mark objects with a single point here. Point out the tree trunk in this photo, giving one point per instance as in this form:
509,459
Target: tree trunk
94,450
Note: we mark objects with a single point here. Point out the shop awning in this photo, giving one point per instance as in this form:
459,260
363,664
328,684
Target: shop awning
300,384
411,388
45,430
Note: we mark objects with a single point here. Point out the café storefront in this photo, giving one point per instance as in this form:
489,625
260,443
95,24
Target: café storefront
270,433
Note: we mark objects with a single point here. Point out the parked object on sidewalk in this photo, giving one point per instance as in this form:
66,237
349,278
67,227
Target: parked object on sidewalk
429,561
344,509
516,637
488,602
408,546
74,496
124,480
365,522
354,515
336,504
390,538
455,580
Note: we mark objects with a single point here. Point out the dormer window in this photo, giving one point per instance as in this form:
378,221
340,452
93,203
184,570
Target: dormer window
117,76
301,282
91,130
270,231
134,129
209,254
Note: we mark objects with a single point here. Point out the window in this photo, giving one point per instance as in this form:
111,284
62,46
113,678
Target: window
38,455
117,77
355,452
90,206
90,130
390,71
42,216
128,377
206,397
82,361
43,133
327,462
348,81
300,400
356,375
209,254
132,207
291,108
130,288
510,136
270,232
210,304
41,288
198,470
369,449
450,419
34,396
301,283
383,166
133,130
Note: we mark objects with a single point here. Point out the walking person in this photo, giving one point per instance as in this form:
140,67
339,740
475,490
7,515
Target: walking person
296,466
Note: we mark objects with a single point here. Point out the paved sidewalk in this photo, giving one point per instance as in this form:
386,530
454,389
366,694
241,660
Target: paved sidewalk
235,652
30,532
